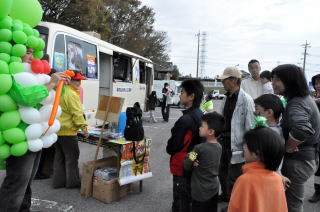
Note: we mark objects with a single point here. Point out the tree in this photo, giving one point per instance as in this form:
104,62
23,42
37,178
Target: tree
175,73
125,23
84,15
131,27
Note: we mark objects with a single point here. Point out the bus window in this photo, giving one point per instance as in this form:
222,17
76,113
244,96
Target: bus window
82,56
59,53
121,68
142,72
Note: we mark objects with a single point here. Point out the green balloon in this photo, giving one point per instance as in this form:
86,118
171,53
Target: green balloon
6,83
36,33
5,47
15,59
5,57
41,44
4,68
38,54
4,151
19,50
7,103
2,141
32,42
17,21
5,8
19,149
6,23
14,135
15,67
9,120
19,37
17,27
27,29
5,35
28,11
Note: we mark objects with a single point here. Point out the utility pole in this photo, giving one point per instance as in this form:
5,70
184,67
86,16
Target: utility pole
198,35
306,46
203,54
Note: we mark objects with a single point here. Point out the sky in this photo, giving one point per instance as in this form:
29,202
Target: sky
271,31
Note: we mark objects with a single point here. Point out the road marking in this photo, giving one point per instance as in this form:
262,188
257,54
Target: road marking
52,205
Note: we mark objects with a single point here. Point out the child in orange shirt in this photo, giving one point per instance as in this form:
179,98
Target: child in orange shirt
260,188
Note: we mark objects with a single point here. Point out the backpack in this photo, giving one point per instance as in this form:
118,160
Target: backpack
134,129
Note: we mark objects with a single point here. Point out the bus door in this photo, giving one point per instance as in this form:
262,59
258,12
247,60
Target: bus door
149,80
106,72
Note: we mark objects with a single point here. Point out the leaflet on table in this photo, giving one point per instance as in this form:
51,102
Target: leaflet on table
129,170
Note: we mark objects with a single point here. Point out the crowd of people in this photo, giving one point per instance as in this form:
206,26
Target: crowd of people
260,148
256,152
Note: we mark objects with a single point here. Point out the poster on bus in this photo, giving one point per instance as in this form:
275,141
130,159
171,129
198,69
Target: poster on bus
91,66
58,61
75,56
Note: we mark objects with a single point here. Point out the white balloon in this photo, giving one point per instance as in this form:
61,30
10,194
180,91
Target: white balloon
47,141
43,79
29,115
54,137
59,112
34,131
27,67
26,79
49,99
45,112
35,145
55,127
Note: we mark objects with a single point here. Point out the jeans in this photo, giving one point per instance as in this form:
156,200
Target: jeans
181,194
210,205
152,115
165,110
298,171
65,168
15,192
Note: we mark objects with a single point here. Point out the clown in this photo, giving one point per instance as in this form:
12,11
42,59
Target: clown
17,17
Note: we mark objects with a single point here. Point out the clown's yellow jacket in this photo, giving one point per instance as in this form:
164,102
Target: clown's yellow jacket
72,115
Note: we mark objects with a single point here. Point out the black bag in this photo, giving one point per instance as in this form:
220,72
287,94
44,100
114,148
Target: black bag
134,128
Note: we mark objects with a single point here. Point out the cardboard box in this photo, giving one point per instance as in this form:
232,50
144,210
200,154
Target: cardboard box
110,161
109,108
105,191
109,191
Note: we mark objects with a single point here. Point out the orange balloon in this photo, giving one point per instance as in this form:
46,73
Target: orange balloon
56,101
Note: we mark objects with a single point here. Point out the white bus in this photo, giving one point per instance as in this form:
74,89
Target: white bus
110,70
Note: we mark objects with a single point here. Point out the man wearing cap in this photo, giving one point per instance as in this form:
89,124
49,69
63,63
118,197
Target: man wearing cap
252,85
66,171
238,111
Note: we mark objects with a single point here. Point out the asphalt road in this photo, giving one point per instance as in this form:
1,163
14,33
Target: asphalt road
157,191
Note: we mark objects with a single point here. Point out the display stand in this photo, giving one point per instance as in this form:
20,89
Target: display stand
108,106
131,161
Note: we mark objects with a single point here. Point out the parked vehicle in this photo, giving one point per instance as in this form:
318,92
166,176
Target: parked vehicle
216,94
110,70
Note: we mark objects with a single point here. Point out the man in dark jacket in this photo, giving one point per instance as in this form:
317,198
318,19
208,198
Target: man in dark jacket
184,136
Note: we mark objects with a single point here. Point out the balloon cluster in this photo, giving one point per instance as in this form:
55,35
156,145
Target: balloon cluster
21,127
